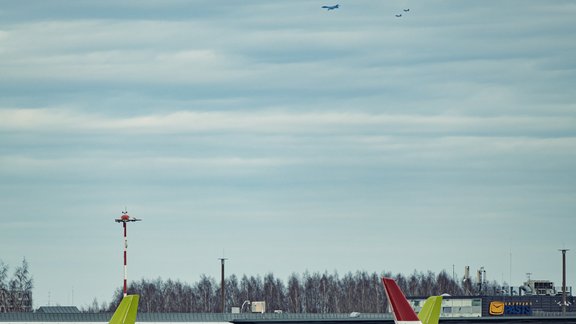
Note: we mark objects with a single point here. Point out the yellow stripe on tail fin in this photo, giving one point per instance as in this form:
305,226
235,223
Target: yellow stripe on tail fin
430,312
126,311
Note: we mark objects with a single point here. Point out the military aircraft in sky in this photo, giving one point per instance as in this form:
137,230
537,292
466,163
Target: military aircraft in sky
331,7
399,15
406,10
403,312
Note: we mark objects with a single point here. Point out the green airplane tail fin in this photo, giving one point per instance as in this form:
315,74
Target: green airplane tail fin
430,312
126,311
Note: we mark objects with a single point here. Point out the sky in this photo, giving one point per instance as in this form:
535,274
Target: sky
286,138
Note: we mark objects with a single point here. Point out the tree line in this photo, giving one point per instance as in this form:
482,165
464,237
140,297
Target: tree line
307,293
15,291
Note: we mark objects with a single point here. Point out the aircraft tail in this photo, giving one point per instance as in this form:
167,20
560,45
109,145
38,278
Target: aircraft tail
430,312
403,312
126,311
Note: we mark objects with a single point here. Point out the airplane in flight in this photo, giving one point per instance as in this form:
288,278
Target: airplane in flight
331,7
403,312
126,311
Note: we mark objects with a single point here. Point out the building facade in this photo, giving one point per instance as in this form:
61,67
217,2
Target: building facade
500,305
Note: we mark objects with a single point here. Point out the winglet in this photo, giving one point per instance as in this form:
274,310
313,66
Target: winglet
403,312
126,311
430,312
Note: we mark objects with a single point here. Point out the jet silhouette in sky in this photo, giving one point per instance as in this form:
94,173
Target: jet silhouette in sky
331,7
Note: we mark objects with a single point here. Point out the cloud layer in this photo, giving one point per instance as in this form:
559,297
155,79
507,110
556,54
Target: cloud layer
281,128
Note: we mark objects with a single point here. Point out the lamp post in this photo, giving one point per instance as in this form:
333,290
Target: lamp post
222,287
563,281
124,219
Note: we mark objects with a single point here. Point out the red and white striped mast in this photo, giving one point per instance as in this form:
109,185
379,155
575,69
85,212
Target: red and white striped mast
125,218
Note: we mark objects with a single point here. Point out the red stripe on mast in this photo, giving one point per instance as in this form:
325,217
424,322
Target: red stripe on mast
125,219
125,262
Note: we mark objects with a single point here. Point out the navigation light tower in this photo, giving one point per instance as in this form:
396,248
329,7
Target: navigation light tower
125,218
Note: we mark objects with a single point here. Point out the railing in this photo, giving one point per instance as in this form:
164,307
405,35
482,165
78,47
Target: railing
553,314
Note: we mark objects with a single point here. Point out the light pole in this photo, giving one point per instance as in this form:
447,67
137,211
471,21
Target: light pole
222,285
563,281
125,218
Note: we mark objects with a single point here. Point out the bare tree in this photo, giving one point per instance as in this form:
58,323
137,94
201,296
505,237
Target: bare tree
4,294
274,292
232,292
206,291
21,289
309,293
295,304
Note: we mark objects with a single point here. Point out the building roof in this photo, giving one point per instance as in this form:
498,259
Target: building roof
185,317
58,310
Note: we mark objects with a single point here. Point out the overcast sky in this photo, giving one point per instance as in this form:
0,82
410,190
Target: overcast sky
286,138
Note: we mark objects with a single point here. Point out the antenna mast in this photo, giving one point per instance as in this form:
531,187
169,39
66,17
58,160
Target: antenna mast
124,219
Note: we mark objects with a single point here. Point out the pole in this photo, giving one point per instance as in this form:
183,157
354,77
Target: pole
510,284
563,281
125,219
222,285
125,262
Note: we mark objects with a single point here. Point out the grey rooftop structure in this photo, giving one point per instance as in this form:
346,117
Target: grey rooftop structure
192,317
58,310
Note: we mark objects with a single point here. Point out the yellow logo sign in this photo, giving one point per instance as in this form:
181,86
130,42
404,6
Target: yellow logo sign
496,308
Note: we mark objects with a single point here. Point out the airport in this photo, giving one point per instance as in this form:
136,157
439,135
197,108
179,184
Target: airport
537,305
379,136
536,301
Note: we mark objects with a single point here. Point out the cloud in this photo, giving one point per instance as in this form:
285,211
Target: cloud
467,59
270,115
282,122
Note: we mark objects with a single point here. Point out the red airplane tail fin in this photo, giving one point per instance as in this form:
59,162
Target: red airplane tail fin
403,312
